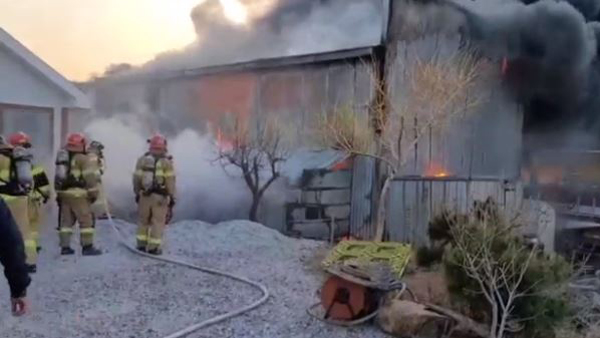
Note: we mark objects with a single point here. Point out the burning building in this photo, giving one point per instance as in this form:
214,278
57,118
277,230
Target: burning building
269,67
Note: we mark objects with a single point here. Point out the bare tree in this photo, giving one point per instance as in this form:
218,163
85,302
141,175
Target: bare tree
256,149
499,277
432,93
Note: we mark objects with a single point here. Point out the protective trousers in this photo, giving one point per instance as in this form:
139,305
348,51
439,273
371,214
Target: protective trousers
76,209
153,211
36,218
99,207
19,210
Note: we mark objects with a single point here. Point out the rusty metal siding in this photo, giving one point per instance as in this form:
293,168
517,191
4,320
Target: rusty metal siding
414,201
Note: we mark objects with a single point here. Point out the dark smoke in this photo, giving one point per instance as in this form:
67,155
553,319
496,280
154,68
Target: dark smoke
552,69
589,8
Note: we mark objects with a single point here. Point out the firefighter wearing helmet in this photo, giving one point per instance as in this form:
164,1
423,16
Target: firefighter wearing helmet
16,182
40,192
96,155
76,187
154,188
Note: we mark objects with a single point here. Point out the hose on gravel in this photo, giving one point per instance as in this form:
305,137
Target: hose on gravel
211,321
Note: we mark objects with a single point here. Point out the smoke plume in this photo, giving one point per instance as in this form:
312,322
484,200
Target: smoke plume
550,51
204,190
275,28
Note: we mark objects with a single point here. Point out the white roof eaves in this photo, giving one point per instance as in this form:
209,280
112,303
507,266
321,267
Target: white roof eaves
80,99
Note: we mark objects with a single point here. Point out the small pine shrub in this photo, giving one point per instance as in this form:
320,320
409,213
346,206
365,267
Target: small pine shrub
545,302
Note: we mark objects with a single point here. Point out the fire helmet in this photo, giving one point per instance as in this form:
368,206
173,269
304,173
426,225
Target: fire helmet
20,139
158,143
76,142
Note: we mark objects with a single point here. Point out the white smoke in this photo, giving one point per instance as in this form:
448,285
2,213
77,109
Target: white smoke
204,190
275,28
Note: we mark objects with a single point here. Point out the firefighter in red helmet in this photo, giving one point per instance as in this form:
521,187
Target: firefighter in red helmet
40,193
76,187
154,188
16,182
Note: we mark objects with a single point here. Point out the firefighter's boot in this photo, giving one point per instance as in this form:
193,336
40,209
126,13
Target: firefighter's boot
90,250
66,251
155,252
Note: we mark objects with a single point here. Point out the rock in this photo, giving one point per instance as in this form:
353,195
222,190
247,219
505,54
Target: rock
429,287
402,318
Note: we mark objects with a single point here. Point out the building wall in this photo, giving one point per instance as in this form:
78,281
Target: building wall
20,85
37,122
414,202
299,95
31,103
485,141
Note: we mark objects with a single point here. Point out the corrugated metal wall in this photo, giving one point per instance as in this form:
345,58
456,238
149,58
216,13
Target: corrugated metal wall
414,201
361,215
483,142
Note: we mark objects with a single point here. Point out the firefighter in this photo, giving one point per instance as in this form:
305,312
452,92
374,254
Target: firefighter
76,187
40,194
16,182
154,188
96,155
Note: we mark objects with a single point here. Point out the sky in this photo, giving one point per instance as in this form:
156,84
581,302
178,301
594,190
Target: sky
81,37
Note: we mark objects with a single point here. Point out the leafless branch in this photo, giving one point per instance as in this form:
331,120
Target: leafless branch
256,149
434,92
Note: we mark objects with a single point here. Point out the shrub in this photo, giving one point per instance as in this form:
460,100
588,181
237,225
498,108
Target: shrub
500,279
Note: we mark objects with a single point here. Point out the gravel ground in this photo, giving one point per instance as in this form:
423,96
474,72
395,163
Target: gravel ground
120,295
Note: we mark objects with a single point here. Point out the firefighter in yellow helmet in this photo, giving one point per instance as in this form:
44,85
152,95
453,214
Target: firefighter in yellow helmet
16,182
40,194
154,188
96,155
76,187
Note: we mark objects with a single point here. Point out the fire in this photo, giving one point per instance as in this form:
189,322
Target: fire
235,11
436,170
223,143
441,174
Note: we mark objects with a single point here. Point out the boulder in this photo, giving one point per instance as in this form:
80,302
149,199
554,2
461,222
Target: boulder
402,318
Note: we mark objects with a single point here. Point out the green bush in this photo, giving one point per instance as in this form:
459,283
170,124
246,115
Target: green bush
428,257
545,302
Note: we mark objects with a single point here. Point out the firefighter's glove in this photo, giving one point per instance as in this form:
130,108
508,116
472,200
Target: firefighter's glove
137,198
171,202
45,199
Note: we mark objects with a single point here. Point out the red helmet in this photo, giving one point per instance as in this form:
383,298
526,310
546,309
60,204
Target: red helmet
158,143
76,142
20,139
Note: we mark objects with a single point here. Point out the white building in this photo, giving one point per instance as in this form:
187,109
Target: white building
35,98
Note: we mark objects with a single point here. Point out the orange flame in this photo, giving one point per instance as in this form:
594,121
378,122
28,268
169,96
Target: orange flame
223,143
436,170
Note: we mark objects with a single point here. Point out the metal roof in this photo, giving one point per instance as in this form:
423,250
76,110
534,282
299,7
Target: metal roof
254,65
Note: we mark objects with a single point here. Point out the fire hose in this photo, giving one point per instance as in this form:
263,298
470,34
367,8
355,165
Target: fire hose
211,321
